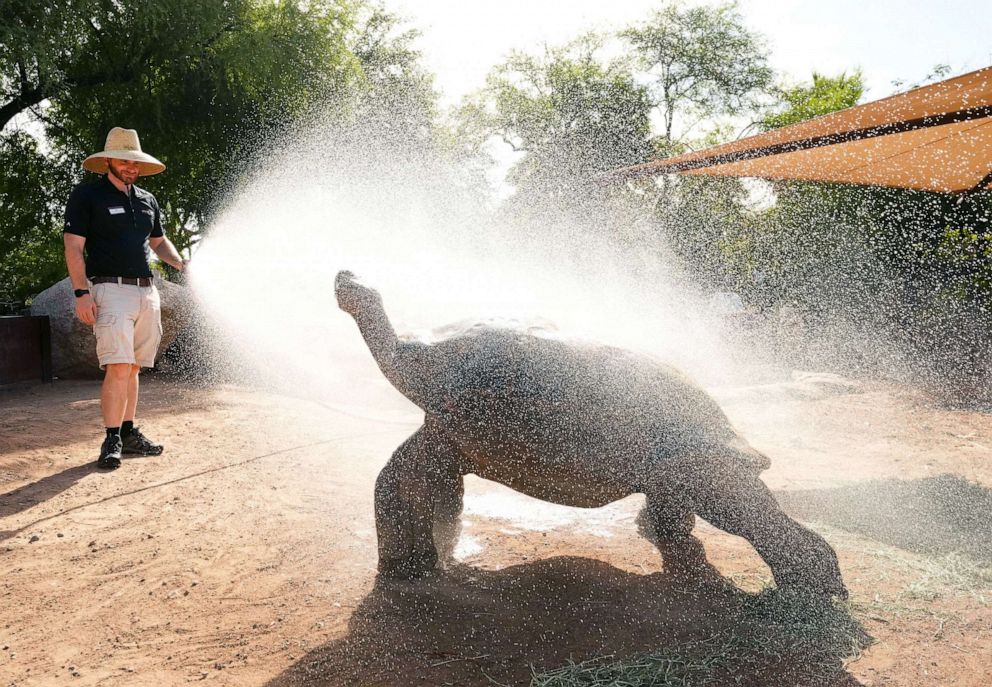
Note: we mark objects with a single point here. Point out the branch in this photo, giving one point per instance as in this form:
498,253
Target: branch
748,128
48,122
506,139
29,96
23,73
216,37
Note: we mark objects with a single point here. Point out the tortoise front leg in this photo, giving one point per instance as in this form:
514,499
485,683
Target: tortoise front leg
735,500
418,486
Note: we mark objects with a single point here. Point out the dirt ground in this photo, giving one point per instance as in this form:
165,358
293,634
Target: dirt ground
245,555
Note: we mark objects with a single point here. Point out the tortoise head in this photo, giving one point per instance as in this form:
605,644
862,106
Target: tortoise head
353,296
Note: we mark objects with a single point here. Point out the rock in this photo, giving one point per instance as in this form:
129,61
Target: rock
73,343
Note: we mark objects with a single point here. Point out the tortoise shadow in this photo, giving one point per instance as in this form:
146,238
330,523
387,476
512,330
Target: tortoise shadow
468,626
936,515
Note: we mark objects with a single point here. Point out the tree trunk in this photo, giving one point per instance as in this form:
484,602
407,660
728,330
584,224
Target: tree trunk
23,101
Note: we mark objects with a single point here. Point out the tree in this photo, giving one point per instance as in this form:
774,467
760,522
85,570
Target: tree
51,49
209,87
700,62
700,58
907,269
806,246
396,97
824,95
30,228
233,77
570,115
37,51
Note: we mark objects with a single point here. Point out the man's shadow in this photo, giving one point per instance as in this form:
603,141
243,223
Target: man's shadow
39,491
469,626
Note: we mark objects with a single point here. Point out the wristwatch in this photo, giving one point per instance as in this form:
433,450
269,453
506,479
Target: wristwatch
81,292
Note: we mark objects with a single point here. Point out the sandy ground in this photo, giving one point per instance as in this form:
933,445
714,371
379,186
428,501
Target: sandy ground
245,555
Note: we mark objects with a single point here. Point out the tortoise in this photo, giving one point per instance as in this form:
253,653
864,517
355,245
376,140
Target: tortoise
573,423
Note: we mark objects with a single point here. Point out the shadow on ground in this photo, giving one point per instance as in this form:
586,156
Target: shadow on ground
935,516
479,627
38,404
30,495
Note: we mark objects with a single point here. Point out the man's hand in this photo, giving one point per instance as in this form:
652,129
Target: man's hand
167,253
86,309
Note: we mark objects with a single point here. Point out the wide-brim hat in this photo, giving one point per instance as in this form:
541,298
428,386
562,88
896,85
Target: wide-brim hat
123,144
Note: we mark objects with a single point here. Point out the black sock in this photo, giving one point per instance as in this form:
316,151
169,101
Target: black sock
113,431
127,427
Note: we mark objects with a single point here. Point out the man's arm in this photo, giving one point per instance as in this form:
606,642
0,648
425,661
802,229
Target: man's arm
166,252
76,262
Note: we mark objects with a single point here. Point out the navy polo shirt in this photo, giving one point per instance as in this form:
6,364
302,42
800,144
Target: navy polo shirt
116,226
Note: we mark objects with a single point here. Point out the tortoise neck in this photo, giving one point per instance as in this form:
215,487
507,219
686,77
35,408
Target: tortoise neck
381,339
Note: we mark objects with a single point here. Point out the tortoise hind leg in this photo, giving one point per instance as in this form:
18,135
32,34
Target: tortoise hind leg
667,521
417,494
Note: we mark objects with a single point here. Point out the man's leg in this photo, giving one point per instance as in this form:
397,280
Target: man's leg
114,393
132,394
147,336
133,441
113,404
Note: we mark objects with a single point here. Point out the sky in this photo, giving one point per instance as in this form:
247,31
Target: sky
887,39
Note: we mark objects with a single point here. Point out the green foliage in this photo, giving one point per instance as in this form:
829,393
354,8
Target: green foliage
39,51
703,216
700,58
211,82
208,85
31,254
810,248
912,263
825,95
966,256
572,114
700,62
396,93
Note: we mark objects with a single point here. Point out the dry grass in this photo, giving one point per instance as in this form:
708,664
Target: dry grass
778,633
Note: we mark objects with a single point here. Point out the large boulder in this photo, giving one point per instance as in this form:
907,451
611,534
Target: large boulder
73,343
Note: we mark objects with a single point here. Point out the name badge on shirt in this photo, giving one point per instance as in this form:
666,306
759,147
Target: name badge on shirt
116,211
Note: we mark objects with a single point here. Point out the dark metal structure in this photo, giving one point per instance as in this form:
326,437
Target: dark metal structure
25,349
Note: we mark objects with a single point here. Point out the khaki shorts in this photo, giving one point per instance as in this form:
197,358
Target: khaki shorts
128,325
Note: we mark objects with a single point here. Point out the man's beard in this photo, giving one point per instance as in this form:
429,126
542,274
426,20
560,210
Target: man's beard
125,178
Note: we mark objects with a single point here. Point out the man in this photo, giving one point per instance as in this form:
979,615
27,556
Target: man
109,223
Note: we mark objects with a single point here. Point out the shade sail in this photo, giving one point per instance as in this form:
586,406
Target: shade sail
933,138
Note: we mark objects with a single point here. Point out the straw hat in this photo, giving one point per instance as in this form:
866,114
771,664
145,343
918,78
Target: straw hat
123,144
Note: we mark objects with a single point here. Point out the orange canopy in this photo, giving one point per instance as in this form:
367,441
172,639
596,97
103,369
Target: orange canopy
932,138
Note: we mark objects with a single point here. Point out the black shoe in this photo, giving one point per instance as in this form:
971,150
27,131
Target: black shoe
137,443
110,453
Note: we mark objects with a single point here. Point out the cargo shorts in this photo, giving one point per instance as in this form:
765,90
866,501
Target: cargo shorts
128,325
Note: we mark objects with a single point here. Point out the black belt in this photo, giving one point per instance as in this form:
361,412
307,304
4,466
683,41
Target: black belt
133,281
